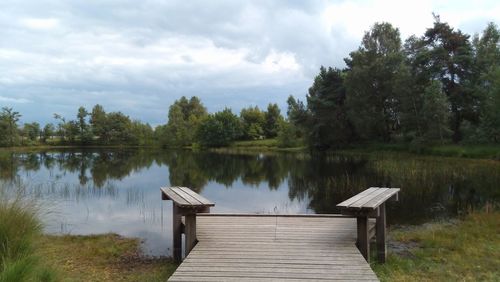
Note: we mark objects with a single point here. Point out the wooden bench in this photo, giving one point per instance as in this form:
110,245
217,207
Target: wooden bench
186,203
370,203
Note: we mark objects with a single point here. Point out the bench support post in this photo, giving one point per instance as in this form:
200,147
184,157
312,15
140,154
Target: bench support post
177,233
381,231
190,232
363,237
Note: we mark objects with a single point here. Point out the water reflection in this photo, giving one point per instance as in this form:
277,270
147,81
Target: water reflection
97,191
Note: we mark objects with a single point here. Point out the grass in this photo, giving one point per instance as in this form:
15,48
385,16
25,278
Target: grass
467,250
264,143
107,257
28,255
479,151
19,229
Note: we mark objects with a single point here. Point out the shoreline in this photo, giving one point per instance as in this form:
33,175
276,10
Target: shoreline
487,152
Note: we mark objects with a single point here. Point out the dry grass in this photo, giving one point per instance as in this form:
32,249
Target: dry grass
107,257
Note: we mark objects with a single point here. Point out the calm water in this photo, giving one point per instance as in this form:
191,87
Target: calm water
98,191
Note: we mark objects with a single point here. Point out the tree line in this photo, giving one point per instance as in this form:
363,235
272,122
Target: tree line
443,86
188,124
88,128
440,87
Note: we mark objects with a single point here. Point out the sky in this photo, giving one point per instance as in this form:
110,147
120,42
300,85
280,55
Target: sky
138,57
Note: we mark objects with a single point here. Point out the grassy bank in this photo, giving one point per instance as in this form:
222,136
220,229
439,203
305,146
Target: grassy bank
28,255
19,230
466,250
450,150
106,257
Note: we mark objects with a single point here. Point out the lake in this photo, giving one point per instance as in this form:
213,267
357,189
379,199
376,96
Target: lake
86,191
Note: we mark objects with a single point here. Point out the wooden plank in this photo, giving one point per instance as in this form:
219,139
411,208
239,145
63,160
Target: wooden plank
359,203
377,201
198,197
176,233
261,248
356,197
262,279
191,200
294,216
174,197
276,275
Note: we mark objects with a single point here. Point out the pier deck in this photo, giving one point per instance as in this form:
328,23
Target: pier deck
274,248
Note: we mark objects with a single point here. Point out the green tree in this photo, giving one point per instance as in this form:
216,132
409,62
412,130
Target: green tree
487,83
447,55
71,130
32,130
490,118
289,135
85,134
9,119
98,121
118,127
253,122
61,127
371,83
330,126
184,117
219,129
435,113
273,118
48,132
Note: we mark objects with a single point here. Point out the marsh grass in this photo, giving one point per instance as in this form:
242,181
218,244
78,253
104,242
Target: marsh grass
464,250
104,257
19,230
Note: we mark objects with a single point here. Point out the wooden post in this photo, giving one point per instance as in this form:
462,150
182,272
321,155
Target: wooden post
363,240
177,233
381,230
190,232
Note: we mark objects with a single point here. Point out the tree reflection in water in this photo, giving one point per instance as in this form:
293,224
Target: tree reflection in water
431,187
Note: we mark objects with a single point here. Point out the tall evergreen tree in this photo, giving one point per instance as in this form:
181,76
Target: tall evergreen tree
273,118
447,56
371,83
330,126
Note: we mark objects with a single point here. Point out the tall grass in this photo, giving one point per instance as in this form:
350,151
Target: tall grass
20,228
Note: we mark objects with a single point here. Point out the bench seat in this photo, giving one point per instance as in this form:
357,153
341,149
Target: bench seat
370,203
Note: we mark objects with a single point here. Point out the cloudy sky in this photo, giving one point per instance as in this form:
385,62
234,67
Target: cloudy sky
139,56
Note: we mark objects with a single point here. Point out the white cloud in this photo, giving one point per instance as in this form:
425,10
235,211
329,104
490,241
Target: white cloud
40,23
14,100
136,55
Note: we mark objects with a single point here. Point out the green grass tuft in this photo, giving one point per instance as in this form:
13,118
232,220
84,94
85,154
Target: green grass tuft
468,250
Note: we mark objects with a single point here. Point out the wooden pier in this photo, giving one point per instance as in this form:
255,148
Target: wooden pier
247,247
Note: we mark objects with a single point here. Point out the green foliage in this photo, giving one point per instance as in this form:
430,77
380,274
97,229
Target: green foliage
48,132
19,229
219,129
273,118
289,135
435,113
184,117
98,122
447,55
253,121
371,83
329,124
31,131
8,127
